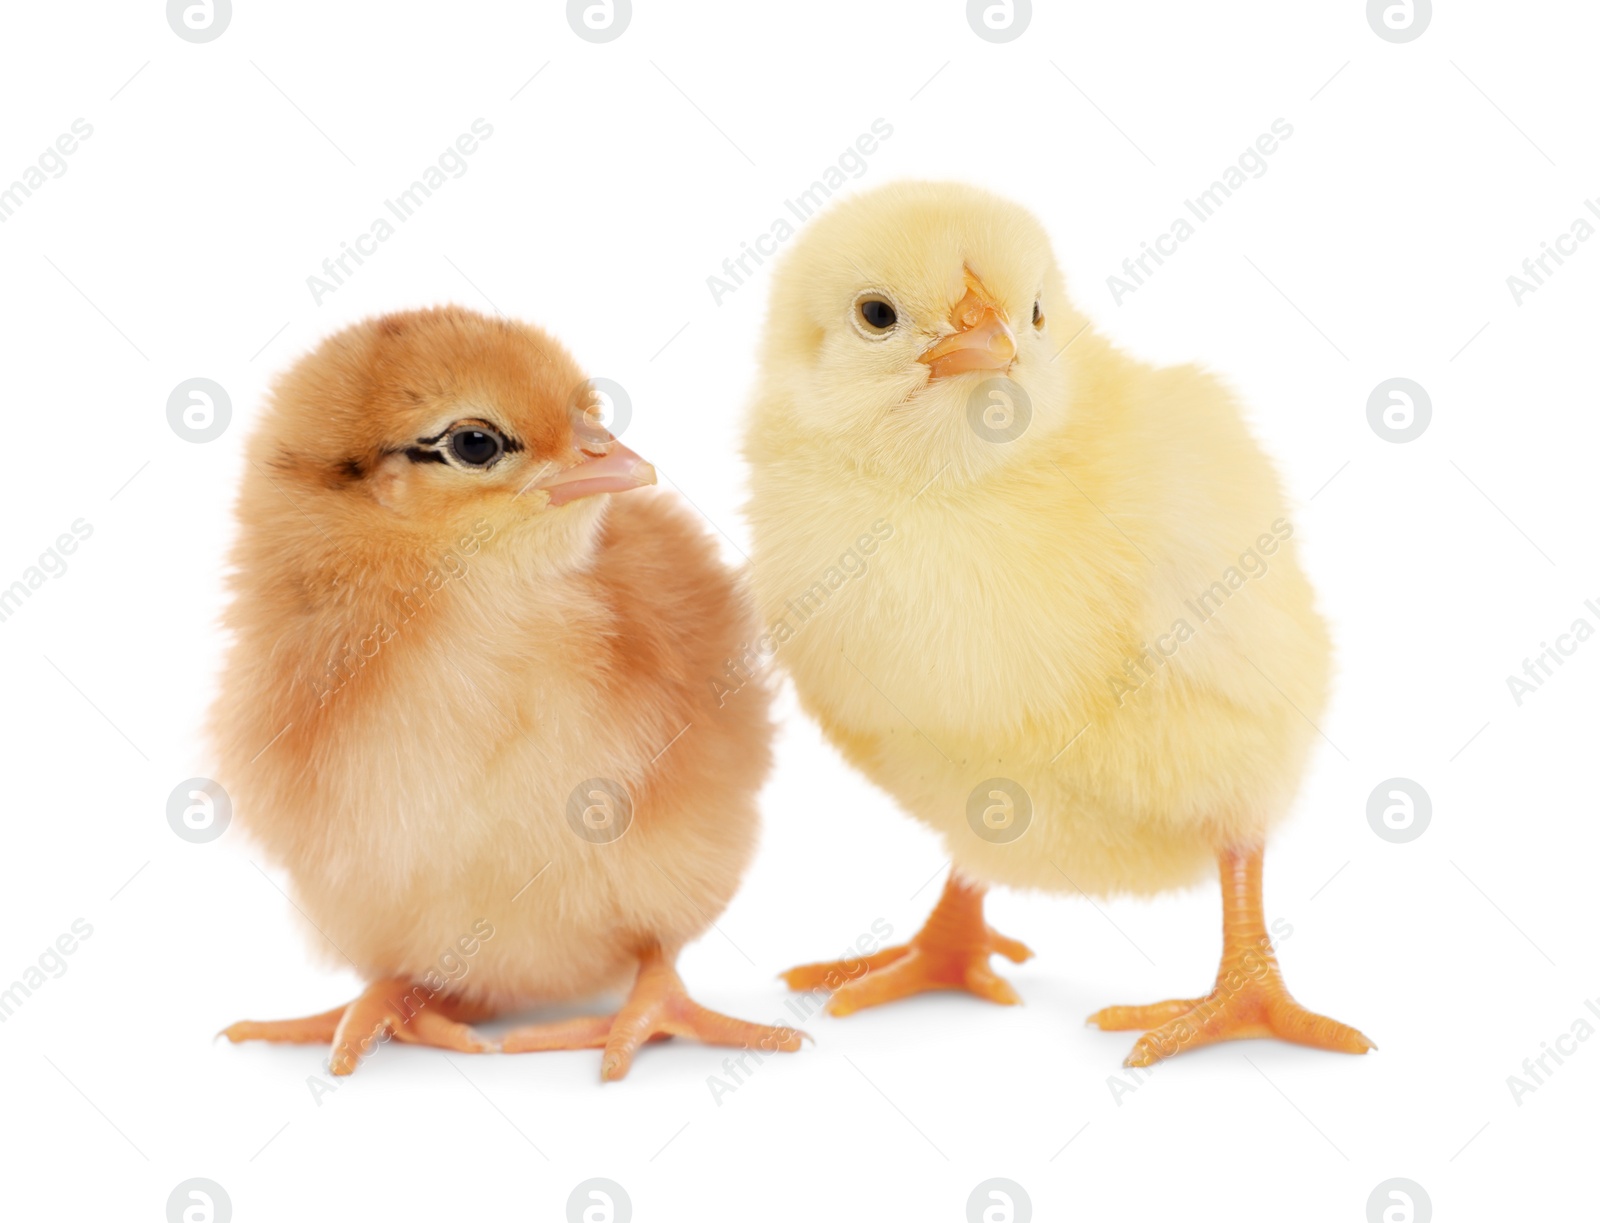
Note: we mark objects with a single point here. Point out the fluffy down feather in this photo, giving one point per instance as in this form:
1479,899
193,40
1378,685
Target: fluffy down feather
1107,609
428,662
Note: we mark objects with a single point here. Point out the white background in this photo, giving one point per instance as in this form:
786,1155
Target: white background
219,176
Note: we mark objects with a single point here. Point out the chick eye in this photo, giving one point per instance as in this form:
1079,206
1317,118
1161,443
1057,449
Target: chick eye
877,314
1038,315
476,447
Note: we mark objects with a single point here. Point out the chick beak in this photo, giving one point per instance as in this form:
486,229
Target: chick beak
615,471
982,339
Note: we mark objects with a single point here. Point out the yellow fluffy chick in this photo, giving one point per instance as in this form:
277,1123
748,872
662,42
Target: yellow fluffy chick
1044,595
468,706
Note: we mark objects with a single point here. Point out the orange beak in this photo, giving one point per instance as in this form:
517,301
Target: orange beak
615,471
982,339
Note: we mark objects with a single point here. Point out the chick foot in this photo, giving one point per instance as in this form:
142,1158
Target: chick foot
951,951
396,1009
657,1008
1249,999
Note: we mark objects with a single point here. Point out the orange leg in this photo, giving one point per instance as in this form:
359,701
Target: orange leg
394,1009
1249,998
951,951
657,1008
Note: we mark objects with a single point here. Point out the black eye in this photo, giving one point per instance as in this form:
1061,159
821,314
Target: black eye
877,314
475,447
1038,315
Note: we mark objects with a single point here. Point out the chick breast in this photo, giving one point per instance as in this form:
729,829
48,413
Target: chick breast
1017,628
433,792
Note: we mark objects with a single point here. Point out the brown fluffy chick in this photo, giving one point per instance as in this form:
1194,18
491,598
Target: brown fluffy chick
469,707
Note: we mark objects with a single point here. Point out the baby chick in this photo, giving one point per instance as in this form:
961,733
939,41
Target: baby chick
1077,642
468,706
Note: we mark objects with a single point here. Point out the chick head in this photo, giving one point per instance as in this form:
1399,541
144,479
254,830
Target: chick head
410,428
917,326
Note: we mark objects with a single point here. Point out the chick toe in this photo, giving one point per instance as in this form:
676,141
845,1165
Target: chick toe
657,1008
396,1009
1142,1018
831,974
1249,999
399,1010
1253,1012
950,952
589,1032
310,1030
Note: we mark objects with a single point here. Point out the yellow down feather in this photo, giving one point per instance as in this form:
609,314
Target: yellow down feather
1106,611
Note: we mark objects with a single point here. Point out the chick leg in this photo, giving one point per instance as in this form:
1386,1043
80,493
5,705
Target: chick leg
1249,998
657,1008
951,951
394,1009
